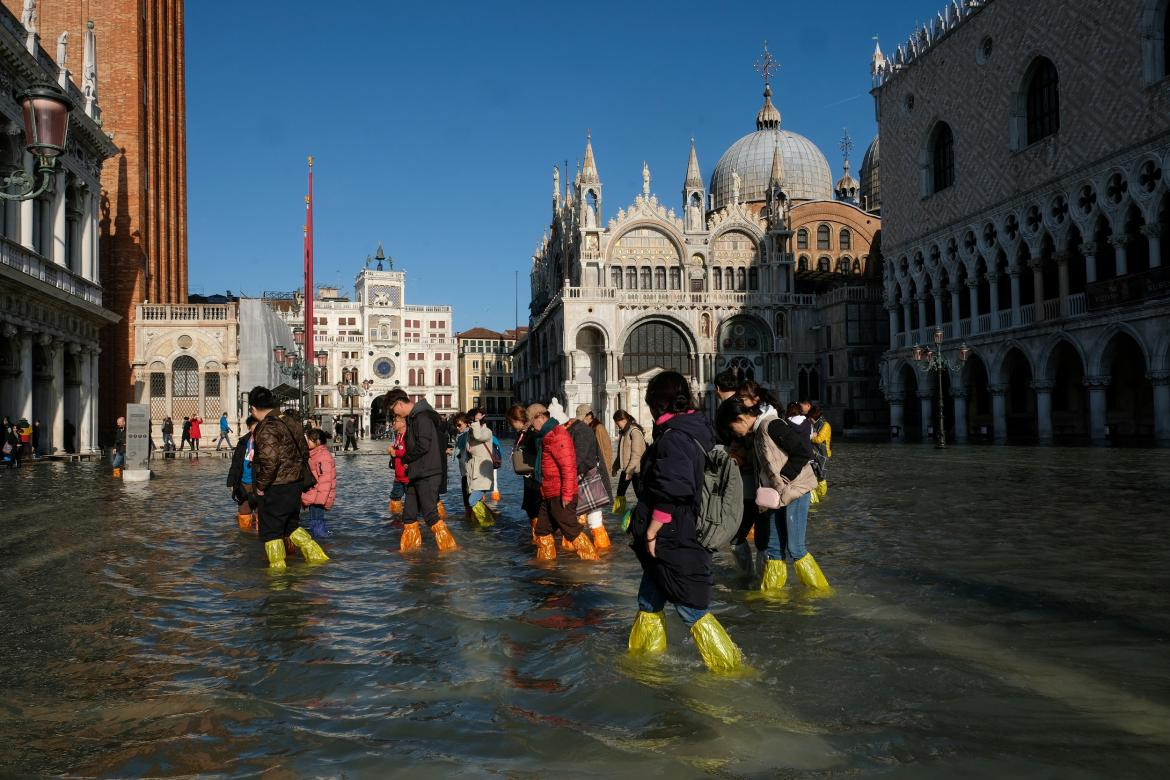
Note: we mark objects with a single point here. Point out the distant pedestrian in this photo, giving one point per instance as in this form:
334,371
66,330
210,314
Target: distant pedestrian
119,459
339,430
24,429
480,467
196,433
350,433
11,446
319,498
524,462
426,465
628,464
224,430
186,433
168,434
280,472
38,441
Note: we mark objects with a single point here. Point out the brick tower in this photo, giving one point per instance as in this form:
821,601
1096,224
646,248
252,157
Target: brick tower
141,91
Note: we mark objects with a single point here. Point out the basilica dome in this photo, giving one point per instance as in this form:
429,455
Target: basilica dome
806,174
871,183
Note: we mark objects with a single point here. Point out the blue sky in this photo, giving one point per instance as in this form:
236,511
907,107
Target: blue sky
434,127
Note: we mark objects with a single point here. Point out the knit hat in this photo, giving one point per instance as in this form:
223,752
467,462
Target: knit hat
583,410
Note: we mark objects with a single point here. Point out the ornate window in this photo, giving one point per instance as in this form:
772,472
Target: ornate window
823,264
729,278
631,278
802,263
646,278
845,240
675,279
753,278
185,377
657,345
615,277
823,237
659,278
1043,100
942,157
717,279
802,238
741,279
211,385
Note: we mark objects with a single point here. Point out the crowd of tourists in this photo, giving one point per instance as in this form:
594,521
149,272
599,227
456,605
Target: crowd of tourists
698,485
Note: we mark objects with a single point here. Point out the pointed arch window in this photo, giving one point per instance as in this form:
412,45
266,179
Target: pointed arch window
1043,100
845,240
185,377
823,237
942,157
802,238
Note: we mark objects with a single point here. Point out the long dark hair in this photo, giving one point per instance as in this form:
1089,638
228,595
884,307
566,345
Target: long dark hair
669,392
753,389
729,411
622,414
727,380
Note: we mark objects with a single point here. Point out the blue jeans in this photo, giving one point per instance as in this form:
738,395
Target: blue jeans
316,522
119,460
652,599
398,491
782,530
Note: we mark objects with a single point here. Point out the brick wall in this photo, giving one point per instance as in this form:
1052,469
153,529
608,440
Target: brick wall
1106,105
141,87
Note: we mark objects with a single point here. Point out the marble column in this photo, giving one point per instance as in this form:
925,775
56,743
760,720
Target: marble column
938,309
1161,382
1062,283
893,312
94,420
921,300
27,213
925,411
1037,290
955,310
1089,250
959,395
1014,273
993,282
56,427
56,247
896,401
24,392
86,241
1119,249
999,412
84,425
1153,234
231,404
1097,385
973,300
1044,410
906,322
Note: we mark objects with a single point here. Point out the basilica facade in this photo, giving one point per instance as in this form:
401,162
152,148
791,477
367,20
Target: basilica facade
772,272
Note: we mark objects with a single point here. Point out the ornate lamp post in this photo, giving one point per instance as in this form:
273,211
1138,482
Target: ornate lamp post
46,128
932,359
295,366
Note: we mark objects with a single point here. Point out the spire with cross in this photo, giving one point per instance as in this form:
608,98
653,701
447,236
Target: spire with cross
766,65
846,145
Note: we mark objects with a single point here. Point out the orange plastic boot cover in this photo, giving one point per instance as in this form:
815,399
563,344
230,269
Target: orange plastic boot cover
600,538
584,547
411,538
443,538
546,548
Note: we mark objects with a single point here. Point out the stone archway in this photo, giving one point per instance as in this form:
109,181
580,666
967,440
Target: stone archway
653,345
1018,398
977,404
1129,397
588,374
1070,399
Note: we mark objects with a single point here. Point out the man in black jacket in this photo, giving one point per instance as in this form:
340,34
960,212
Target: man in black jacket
426,466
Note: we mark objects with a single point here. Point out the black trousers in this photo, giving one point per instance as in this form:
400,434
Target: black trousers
553,517
280,510
422,498
350,441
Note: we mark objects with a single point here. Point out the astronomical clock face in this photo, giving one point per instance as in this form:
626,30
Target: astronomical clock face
383,295
384,368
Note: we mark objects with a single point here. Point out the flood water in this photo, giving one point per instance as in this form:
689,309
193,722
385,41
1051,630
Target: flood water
997,613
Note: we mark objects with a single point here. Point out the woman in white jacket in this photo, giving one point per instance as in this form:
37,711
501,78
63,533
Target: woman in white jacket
480,467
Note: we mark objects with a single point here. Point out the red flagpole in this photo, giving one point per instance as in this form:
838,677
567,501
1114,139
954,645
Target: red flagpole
310,323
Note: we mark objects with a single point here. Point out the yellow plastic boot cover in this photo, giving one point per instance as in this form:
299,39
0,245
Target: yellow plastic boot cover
649,633
719,653
775,576
546,548
443,538
274,549
619,506
411,538
483,515
810,574
822,488
309,548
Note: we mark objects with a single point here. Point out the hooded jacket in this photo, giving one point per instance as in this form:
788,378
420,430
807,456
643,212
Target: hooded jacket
324,468
279,451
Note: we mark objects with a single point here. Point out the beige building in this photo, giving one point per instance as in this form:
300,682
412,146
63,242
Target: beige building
1026,211
485,371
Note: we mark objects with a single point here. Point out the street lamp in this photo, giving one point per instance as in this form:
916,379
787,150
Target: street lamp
928,360
293,364
45,110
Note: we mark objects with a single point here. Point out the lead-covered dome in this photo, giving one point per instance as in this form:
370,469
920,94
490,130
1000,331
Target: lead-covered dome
871,183
806,174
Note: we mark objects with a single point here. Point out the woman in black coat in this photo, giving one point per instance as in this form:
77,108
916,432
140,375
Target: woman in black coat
675,566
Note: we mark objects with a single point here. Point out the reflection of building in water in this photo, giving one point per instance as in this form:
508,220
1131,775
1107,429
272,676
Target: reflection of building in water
771,273
1026,214
53,308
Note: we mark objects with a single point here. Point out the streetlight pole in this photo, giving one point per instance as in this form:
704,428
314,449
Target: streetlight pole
932,359
295,365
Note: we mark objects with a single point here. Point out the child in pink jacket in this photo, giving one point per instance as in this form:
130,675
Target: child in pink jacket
319,498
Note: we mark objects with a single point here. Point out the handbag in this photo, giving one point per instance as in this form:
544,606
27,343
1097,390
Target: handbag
522,467
494,451
592,491
767,497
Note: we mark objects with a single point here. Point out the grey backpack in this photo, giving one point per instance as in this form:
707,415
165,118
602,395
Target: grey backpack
720,509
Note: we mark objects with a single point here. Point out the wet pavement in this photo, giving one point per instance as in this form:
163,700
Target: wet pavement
997,612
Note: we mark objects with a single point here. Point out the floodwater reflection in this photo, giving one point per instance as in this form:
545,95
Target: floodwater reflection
997,612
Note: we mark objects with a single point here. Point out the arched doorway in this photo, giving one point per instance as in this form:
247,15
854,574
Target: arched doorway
651,347
1129,400
1070,400
588,373
1020,398
980,420
379,415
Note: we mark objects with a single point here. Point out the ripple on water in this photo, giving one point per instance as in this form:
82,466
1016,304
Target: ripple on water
995,611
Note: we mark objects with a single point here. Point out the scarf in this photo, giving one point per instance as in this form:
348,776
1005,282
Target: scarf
536,467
